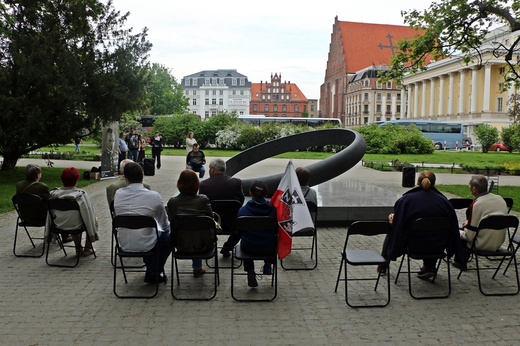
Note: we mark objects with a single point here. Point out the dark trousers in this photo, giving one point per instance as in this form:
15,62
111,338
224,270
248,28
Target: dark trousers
164,251
122,156
156,154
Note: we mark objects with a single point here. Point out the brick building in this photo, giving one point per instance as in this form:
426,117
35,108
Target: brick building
277,98
353,47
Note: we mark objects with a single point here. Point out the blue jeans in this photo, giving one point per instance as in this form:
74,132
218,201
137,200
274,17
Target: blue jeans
164,251
133,154
200,169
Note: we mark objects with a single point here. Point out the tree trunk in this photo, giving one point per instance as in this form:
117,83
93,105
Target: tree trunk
9,161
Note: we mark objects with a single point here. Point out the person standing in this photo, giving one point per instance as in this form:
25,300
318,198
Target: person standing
219,186
190,141
123,148
157,146
142,148
132,140
135,199
196,160
77,142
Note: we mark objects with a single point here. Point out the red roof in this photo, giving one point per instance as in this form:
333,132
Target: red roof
366,44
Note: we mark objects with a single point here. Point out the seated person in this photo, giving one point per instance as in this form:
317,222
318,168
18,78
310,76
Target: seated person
188,202
421,202
33,186
135,199
304,177
195,160
71,219
484,205
257,243
120,182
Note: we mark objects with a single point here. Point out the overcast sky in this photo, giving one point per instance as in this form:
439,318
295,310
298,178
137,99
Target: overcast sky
254,38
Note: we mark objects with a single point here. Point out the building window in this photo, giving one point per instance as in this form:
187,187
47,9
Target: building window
378,85
398,109
500,104
255,108
234,92
365,109
266,108
275,108
500,87
295,96
207,92
206,81
388,109
194,82
194,102
214,92
312,108
502,70
389,85
187,82
233,81
213,101
221,92
366,96
388,96
378,96
194,92
242,81
296,108
221,81
214,81
221,102
367,83
206,101
284,108
187,92
206,114
241,92
378,108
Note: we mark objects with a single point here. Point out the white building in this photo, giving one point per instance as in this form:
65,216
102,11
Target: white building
214,91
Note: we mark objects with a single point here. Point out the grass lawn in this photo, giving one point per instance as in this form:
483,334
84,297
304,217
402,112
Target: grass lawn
463,191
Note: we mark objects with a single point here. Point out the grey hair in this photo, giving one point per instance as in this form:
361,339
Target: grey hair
479,182
32,171
218,164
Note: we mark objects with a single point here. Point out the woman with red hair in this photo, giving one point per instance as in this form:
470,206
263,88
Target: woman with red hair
71,219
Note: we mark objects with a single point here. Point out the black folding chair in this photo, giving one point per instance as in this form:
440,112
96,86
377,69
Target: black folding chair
227,210
56,206
131,223
252,225
364,257
433,229
299,238
202,227
460,203
496,223
32,213
509,203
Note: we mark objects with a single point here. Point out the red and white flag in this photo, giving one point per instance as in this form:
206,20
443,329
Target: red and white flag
291,210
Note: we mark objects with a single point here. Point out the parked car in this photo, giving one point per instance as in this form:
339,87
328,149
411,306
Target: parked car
498,147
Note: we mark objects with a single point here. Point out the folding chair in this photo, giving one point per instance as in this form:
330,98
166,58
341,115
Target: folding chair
254,224
509,203
133,222
64,205
364,257
202,227
433,229
496,223
227,209
460,203
25,202
309,232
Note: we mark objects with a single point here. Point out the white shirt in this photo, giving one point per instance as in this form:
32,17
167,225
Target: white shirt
135,199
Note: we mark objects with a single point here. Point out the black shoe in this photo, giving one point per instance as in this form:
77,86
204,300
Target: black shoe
381,270
150,278
426,273
461,267
225,253
251,279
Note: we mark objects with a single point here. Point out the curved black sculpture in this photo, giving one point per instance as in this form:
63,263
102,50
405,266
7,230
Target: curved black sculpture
320,171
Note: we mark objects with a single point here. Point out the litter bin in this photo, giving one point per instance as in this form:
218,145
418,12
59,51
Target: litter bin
408,177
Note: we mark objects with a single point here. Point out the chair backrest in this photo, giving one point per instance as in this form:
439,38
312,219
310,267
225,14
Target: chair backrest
432,233
192,233
132,222
369,228
63,204
227,209
460,203
257,226
30,208
509,203
313,209
498,222
112,209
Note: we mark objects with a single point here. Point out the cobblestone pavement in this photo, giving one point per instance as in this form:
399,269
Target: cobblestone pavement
44,305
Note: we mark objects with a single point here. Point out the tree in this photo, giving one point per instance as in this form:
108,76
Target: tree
164,95
457,27
175,129
511,136
487,135
66,67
